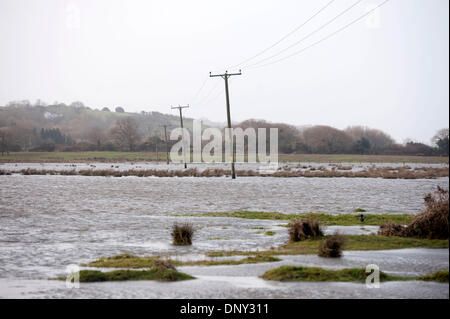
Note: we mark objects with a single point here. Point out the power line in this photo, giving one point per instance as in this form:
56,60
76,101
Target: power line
323,39
205,98
283,38
305,37
201,88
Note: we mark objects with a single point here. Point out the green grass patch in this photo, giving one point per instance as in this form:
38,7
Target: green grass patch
352,242
357,158
56,157
130,261
359,210
299,273
438,276
269,233
248,260
124,261
324,219
122,275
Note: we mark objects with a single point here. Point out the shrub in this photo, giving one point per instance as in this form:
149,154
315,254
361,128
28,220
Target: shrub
391,229
433,223
162,265
182,234
331,246
304,229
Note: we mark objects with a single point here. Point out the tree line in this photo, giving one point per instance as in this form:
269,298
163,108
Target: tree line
125,135
58,127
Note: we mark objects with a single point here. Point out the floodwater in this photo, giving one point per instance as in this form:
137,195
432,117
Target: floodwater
50,222
291,166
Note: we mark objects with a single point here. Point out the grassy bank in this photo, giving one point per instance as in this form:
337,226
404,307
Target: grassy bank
299,273
122,275
63,157
130,261
324,219
352,242
73,157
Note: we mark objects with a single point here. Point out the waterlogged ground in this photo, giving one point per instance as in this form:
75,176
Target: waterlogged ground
307,166
49,222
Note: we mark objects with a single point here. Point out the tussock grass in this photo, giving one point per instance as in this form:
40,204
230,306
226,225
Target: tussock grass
307,228
182,234
332,246
299,273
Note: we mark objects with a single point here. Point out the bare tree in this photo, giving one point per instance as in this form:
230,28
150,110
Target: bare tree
125,133
378,139
4,142
96,136
326,139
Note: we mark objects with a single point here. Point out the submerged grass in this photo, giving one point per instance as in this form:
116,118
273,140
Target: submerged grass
324,219
299,273
438,276
352,242
130,261
122,275
248,260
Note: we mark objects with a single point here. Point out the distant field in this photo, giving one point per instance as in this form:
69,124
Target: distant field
58,157
355,158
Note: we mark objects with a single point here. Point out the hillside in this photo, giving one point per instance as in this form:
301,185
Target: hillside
75,127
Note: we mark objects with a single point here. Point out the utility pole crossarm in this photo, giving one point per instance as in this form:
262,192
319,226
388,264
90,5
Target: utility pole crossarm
226,74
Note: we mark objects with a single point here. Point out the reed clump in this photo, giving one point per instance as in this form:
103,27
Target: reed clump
332,246
182,234
306,228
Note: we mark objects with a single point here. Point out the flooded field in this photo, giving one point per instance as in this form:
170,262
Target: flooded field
49,222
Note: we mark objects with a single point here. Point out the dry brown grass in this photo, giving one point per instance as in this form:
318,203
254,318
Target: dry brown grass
182,234
332,246
403,172
433,223
307,228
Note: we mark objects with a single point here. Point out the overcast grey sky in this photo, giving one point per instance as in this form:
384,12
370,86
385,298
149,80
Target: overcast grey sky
387,71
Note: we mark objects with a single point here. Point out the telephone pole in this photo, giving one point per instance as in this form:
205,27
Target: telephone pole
156,146
167,147
225,76
180,107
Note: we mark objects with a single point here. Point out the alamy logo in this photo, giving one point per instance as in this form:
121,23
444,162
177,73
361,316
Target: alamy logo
73,276
373,279
212,152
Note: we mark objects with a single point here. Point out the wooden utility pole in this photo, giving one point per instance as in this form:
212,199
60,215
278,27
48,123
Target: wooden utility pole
180,107
167,146
225,76
156,146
